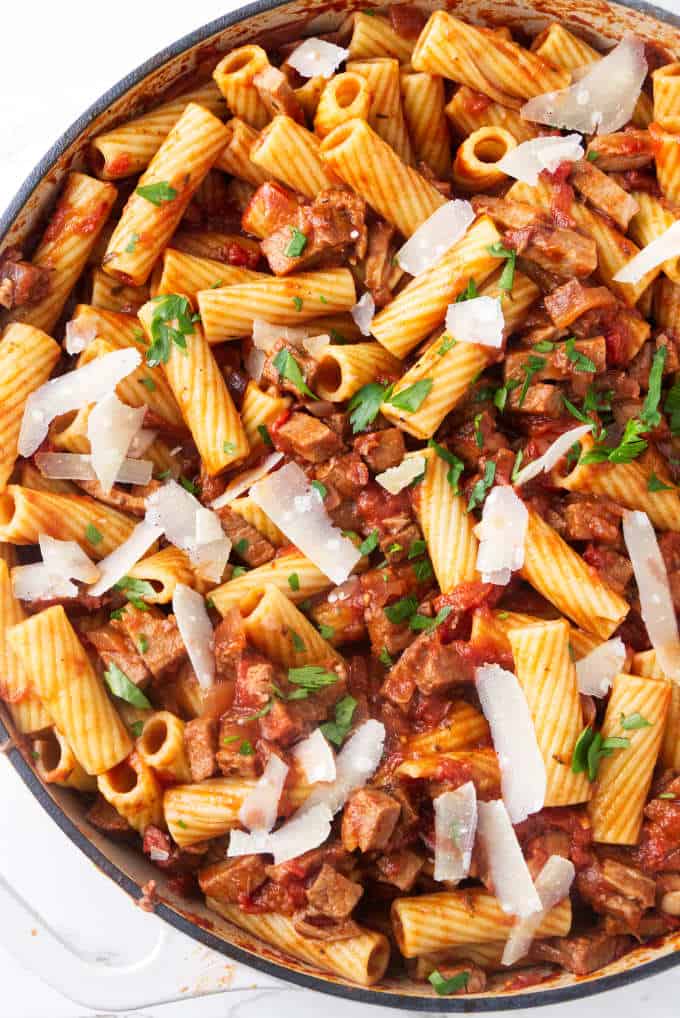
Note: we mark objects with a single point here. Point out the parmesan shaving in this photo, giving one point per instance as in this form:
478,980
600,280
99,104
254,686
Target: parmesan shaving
552,455
455,825
527,160
297,509
433,238
260,807
508,870
242,483
119,563
35,583
598,669
552,885
653,254
395,479
75,466
502,533
315,758
67,558
80,333
266,335
111,427
363,313
299,835
196,631
174,510
479,320
317,57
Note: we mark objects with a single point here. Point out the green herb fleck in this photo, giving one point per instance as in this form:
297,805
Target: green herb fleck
634,721
401,610
532,366
148,383
411,398
158,193
593,156
456,465
385,658
246,749
288,367
326,631
93,535
134,590
171,322
655,484
122,687
297,303
423,623
369,543
335,731
137,727
482,486
132,243
229,447
264,434
311,677
448,343
507,279
294,581
189,485
143,643
578,359
445,987
320,488
298,242
365,404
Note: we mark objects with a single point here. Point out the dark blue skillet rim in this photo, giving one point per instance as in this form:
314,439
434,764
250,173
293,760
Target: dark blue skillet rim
458,1005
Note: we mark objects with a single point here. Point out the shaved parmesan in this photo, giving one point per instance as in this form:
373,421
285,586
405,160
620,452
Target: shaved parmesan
523,779
297,509
315,757
35,582
655,253
315,346
508,870
75,466
435,236
142,441
301,834
363,313
356,762
552,885
72,392
80,333
254,362
502,533
656,602
174,510
395,479
317,57
63,561
208,527
119,563
265,335
66,558
479,320
552,455
196,631
111,427
532,157
603,98
455,824
260,807
597,670
245,479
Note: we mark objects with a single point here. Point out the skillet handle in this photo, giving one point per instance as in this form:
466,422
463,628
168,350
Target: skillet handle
169,971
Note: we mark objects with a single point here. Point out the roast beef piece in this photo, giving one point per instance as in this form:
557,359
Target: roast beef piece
319,927
311,862
381,511
247,542
333,895
331,225
400,868
603,193
615,569
624,150
342,609
20,282
541,399
164,647
378,266
592,519
381,449
511,215
540,848
230,642
368,820
614,889
231,760
200,746
307,437
119,498
113,645
571,300
407,20
271,374
254,679
385,635
430,665
104,817
659,847
270,208
277,95
476,437
165,854
346,474
562,251
557,364
234,879
582,953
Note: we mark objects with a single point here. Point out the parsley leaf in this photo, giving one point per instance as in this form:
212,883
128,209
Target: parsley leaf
384,658
630,446
132,243
137,727
134,591
158,193
423,623
298,242
143,643
122,687
593,156
365,404
650,416
411,398
369,543
591,748
457,466
634,721
326,631
481,488
479,437
500,396
311,678
170,323
246,748
264,434
148,383
444,987
262,712
469,293
423,570
401,610
93,535
507,279
288,367
238,571
517,465
297,303
530,368
578,359
545,346
229,447
416,548
188,485
448,343
320,488
335,731
672,407
655,484
294,581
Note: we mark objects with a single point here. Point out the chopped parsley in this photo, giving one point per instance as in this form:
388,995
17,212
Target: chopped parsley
171,322
628,449
134,590
320,488
294,581
158,193
132,243
297,303
122,687
288,367
148,383
672,408
634,721
578,359
335,731
444,987
228,739
417,548
425,624
217,284
137,727
246,749
310,678
264,434
482,486
593,156
182,824
327,632
401,610
516,467
143,643
479,437
650,416
413,397
448,343
384,658
189,485
456,465
500,396
238,571
298,242
261,713
93,535
365,404
545,346
507,280
241,546
422,570
655,484
469,293
591,748
369,543
229,447
532,366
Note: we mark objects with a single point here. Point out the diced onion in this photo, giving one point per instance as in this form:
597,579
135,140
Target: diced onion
395,479
597,670
502,533
316,57
656,602
527,160
119,563
36,583
67,558
655,253
435,236
479,320
315,757
523,778
111,426
363,313
603,98
299,835
75,466
552,885
80,333
455,825
260,807
174,509
355,764
72,392
508,870
296,508
245,479
552,455
196,631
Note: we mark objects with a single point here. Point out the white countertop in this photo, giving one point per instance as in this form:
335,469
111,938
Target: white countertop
56,60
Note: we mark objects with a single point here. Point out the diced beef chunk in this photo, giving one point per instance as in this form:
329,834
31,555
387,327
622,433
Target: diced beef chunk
247,542
603,193
592,519
254,678
510,215
104,817
270,208
333,895
571,300
277,95
617,890
379,262
230,642
307,437
117,497
400,868
309,862
234,879
562,251
368,820
20,282
330,225
113,645
200,744
347,475
164,648
615,569
320,927
582,953
431,666
541,399
231,758
623,150
381,449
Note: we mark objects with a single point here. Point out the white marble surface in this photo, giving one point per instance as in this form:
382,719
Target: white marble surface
56,59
